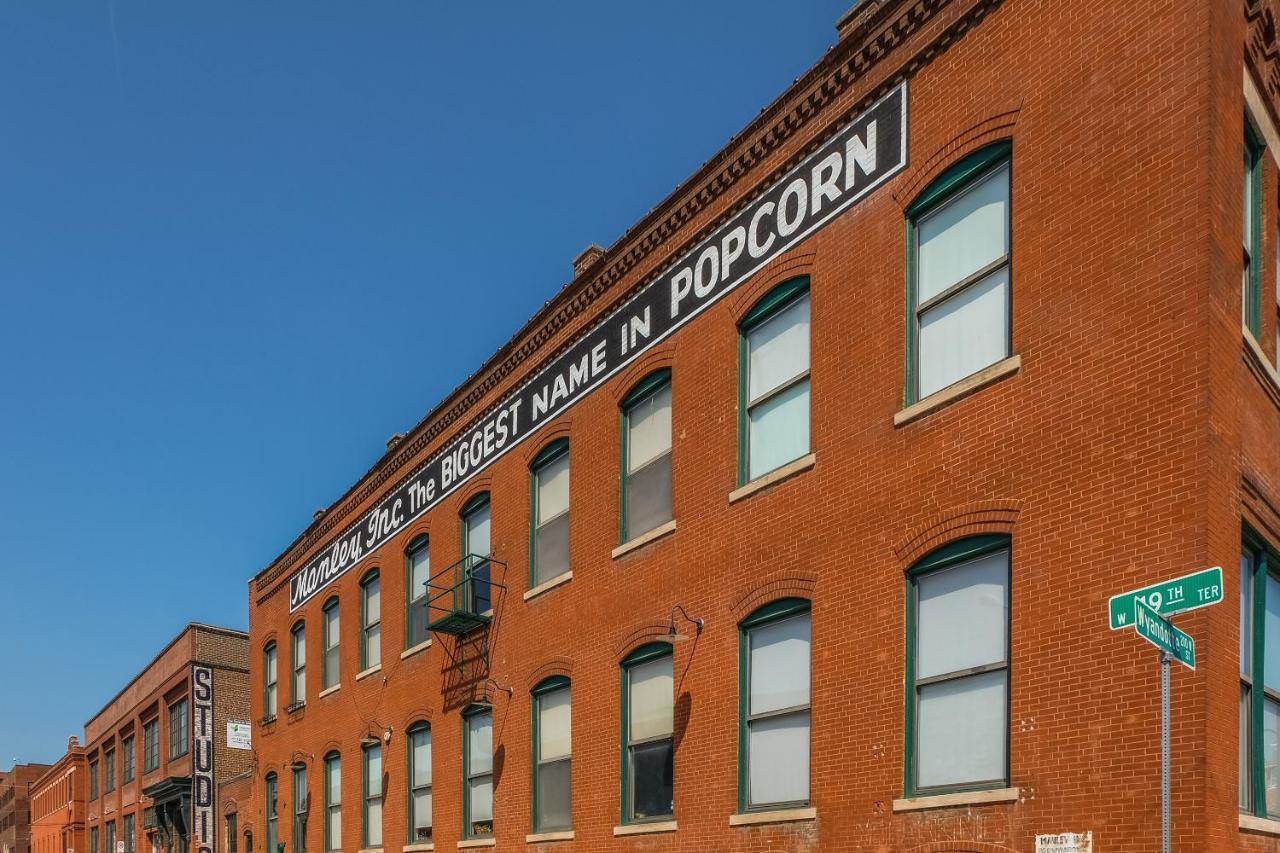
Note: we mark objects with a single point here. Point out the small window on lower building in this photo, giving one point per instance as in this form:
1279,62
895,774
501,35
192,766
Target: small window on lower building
129,828
111,836
231,833
774,664
553,756
648,731
419,783
477,752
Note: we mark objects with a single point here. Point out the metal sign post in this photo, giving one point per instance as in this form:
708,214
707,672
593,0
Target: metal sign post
1166,659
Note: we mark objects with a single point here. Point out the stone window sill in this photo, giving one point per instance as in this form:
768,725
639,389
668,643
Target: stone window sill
645,538
776,816
548,585
329,691
1260,367
967,798
1265,825
539,837
955,391
373,670
413,650
777,475
423,847
646,828
370,850
469,843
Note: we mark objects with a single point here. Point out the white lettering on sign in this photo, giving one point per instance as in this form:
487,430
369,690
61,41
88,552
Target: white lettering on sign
202,758
1065,842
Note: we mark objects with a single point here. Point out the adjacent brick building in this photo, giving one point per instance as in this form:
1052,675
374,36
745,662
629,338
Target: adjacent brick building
15,806
58,804
804,500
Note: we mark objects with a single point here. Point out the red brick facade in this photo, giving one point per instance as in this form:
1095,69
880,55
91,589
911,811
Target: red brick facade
57,804
1130,439
15,806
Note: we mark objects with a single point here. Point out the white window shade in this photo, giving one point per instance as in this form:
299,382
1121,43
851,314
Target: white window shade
421,809
963,612
374,823
1271,638
478,532
553,488
299,649
965,333
421,758
419,572
780,759
965,235
779,430
480,743
554,725
271,665
331,627
961,731
778,349
651,710
372,602
481,799
650,428
780,665
373,770
333,769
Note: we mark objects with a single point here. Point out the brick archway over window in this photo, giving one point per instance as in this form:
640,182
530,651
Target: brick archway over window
789,583
555,666
991,129
638,635
972,519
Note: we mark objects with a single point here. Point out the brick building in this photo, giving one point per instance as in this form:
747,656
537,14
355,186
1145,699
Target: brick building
151,784
58,804
15,806
791,521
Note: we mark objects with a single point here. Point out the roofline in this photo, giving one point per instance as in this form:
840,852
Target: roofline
56,767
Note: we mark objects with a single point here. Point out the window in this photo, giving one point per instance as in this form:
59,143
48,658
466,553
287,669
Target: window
111,836
774,697
552,756
419,783
475,552
477,770
273,816
549,502
646,456
332,803
773,381
93,840
298,656
300,804
269,681
128,828
127,751
1251,278
231,833
957,667
417,569
370,621
647,730
958,279
178,728
93,780
1260,681
330,667
109,771
373,796
150,745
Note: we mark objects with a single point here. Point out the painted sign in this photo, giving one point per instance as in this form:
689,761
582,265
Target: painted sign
239,734
1065,842
859,157
1198,589
203,824
1163,634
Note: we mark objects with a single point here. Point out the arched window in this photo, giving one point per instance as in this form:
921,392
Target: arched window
958,667
648,732
552,755
476,549
300,808
646,456
774,678
959,282
330,666
477,771
372,759
549,513
370,621
417,571
332,803
419,783
773,386
269,680
272,814
298,683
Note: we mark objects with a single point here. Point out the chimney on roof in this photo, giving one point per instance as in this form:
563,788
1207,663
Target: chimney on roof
315,516
395,439
587,258
853,15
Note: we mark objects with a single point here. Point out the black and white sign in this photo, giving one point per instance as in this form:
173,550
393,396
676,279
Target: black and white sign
857,159
202,757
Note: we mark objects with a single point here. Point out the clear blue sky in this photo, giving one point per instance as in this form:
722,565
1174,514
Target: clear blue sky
243,243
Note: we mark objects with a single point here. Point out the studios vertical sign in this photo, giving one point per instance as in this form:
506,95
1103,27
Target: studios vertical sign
202,758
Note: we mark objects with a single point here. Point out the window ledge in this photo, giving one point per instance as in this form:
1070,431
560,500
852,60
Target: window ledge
422,847
776,816
645,828
413,650
328,691
468,843
1258,365
956,390
363,674
1264,825
538,837
645,538
967,798
370,850
777,475
546,585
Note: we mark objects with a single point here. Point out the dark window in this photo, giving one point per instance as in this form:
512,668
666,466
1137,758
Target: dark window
300,809
179,728
649,713
128,750
231,833
272,813
475,553
150,745
109,771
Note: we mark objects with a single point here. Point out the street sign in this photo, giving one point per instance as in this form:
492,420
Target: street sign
1163,634
1199,589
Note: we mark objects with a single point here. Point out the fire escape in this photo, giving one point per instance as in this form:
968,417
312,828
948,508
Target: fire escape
463,604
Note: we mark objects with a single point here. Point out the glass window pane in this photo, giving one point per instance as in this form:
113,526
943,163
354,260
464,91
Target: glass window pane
419,571
963,616
299,649
961,731
779,430
779,759
778,349
373,646
554,796
480,743
1246,612
651,708
553,488
552,546
331,627
1271,635
374,825
372,602
481,803
964,236
1246,782
649,428
1247,197
964,334
478,532
331,667
421,758
422,815
1271,755
373,770
334,770
335,829
652,780
271,665
780,664
554,725
649,497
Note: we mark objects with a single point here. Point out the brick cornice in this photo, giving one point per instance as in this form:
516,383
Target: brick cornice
873,36
1262,47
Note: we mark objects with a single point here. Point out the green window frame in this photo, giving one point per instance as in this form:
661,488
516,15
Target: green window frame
1251,279
770,616
547,769
331,663
1259,780
332,802
272,813
129,829
418,782
773,304
648,653
474,778
955,555
300,803
371,811
128,759
478,592
270,684
93,780
298,664
545,535
646,389
416,617
108,771
946,188
370,620
150,745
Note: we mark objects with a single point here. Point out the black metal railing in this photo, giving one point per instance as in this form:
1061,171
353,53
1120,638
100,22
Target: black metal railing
460,598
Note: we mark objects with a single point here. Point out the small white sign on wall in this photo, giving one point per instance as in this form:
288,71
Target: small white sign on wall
1065,842
239,734
119,847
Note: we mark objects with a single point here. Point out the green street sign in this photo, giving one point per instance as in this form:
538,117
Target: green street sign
1163,634
1199,589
